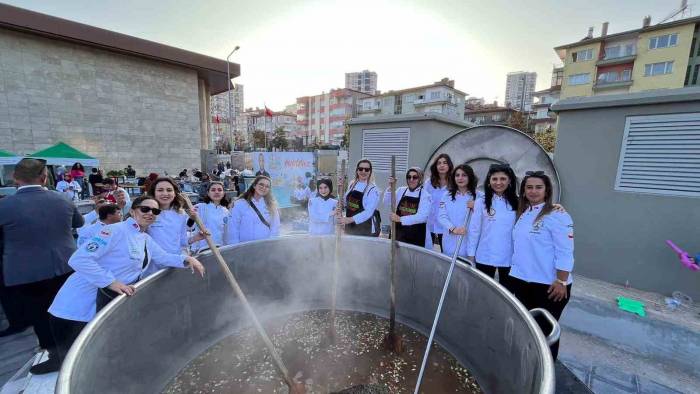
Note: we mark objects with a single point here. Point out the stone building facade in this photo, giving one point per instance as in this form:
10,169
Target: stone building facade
146,110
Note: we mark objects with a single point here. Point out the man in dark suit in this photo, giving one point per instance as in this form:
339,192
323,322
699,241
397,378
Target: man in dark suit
37,241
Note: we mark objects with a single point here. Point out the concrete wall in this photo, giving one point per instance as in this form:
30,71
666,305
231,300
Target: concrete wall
620,235
120,109
425,136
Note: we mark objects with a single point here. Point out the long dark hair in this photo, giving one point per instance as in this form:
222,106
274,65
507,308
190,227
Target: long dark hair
471,184
78,166
434,176
510,193
525,204
177,204
269,198
225,202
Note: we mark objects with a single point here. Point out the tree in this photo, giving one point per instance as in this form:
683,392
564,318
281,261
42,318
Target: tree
345,142
519,121
280,139
258,139
547,139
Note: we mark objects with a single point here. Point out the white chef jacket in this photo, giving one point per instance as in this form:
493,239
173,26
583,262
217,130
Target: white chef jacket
116,252
87,232
491,234
424,207
90,218
453,214
170,233
63,187
245,225
435,198
322,215
370,200
214,218
543,247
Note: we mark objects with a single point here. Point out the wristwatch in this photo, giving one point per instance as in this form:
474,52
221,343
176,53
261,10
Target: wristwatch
562,282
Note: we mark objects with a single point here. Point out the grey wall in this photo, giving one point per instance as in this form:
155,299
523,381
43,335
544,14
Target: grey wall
425,136
120,109
620,235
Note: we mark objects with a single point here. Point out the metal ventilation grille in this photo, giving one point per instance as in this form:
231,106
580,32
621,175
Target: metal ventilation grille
661,155
378,145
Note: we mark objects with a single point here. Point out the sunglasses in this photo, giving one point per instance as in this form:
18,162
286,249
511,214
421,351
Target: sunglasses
409,177
534,173
364,169
155,211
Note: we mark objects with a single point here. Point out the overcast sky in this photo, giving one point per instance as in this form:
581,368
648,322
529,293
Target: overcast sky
294,48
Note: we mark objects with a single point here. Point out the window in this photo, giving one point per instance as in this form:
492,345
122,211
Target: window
620,50
664,41
579,79
582,56
695,74
659,155
615,76
658,69
434,95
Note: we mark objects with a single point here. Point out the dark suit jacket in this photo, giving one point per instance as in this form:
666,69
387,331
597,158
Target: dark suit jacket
36,235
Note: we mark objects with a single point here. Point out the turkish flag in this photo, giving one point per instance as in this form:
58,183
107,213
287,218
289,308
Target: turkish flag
217,119
268,112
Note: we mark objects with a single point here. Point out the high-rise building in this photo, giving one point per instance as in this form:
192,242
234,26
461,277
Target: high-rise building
519,88
440,97
363,81
219,112
661,56
321,118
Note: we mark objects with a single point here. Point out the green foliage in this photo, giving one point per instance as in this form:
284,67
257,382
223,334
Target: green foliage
258,139
547,139
280,139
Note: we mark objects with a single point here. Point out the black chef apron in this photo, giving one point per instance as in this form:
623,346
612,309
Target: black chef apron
413,234
353,206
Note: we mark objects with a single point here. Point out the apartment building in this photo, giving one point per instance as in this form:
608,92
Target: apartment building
321,118
440,97
661,56
519,88
364,81
488,114
542,118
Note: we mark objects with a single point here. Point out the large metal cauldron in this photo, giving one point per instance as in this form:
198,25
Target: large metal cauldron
137,345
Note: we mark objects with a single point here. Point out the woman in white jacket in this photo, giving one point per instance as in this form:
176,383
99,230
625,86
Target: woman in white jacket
254,215
440,172
361,202
413,205
107,265
322,209
214,214
454,207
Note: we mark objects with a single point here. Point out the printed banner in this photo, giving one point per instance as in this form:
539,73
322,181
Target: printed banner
286,169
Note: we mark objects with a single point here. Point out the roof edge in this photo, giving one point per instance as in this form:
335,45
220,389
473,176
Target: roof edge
650,97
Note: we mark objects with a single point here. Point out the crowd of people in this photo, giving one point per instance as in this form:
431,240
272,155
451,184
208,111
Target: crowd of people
517,236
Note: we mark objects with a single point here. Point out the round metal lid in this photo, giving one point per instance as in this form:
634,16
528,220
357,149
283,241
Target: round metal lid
481,146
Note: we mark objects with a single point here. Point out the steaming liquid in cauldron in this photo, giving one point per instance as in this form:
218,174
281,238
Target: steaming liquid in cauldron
241,364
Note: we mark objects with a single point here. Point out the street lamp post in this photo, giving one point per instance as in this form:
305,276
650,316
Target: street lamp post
230,102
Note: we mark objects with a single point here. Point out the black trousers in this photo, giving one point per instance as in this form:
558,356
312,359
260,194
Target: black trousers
534,295
437,239
64,333
491,271
35,299
11,306
104,297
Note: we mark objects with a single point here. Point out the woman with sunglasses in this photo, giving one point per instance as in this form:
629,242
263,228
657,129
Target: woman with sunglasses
108,265
543,249
454,207
440,172
412,209
490,243
361,200
254,215
322,209
170,227
214,214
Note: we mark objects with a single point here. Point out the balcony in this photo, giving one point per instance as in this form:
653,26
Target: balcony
603,84
443,99
610,61
375,107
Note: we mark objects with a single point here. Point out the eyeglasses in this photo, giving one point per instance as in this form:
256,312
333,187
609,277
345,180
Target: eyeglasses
155,211
410,177
534,173
364,169
263,185
504,166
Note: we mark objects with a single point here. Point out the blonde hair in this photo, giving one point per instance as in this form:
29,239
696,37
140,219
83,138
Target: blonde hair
270,200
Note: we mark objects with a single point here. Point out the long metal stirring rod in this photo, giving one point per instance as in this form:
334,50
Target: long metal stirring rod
442,299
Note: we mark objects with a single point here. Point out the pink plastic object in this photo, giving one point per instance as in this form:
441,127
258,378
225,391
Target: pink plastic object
683,257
